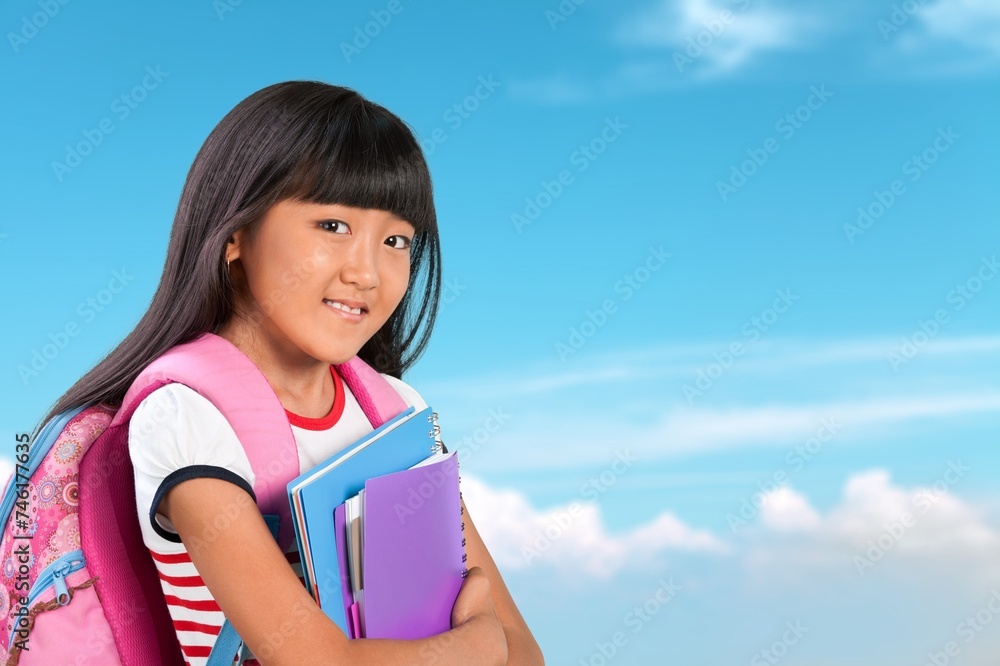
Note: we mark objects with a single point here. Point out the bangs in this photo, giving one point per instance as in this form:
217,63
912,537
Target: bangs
367,159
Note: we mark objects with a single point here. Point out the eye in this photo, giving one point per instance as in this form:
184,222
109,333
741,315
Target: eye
406,242
340,225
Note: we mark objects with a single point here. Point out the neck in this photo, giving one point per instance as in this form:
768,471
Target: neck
302,383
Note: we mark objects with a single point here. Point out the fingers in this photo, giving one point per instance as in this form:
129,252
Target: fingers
474,597
478,575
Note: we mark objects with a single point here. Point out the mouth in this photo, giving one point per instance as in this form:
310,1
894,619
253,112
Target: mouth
349,307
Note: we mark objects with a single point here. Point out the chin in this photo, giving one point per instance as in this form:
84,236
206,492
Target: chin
339,356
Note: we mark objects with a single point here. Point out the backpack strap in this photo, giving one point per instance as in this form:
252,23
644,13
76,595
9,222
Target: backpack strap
110,530
379,401
221,372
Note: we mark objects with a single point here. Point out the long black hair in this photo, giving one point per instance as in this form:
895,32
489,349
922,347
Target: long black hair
303,140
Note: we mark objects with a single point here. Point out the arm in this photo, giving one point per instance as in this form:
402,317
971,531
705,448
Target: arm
522,649
274,613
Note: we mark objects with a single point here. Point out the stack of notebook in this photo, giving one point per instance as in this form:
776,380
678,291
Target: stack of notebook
379,530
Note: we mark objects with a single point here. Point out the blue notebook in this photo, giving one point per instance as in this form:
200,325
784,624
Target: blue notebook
398,444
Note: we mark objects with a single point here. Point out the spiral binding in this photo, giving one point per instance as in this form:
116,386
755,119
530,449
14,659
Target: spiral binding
438,447
435,433
465,556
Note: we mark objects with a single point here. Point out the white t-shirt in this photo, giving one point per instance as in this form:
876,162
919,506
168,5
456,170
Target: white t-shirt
187,437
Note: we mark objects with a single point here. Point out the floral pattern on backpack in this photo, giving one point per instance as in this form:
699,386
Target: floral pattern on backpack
43,566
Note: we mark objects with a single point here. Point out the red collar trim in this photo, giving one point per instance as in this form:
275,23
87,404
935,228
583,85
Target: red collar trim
331,419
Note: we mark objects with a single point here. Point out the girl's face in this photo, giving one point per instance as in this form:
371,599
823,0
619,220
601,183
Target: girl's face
307,263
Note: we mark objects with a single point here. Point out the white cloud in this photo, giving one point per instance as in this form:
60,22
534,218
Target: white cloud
724,44
971,24
723,37
573,537
875,524
878,522
940,520
786,510
940,38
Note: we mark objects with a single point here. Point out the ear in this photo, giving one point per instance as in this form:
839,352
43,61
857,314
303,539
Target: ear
235,245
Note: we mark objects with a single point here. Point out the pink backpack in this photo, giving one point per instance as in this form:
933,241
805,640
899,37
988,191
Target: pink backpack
78,585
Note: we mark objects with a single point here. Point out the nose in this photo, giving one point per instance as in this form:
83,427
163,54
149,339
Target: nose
361,265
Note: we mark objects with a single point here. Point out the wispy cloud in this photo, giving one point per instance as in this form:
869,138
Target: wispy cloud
700,429
680,360
948,37
555,89
775,396
540,441
714,38
673,44
676,43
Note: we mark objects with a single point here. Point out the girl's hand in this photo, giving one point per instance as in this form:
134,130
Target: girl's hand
474,609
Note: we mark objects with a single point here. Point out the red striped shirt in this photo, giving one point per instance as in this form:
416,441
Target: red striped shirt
197,617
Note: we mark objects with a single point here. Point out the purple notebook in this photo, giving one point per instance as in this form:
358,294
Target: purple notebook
413,559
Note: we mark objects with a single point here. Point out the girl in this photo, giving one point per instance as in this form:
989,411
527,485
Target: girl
305,234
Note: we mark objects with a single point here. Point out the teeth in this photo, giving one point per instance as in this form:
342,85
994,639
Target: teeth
341,306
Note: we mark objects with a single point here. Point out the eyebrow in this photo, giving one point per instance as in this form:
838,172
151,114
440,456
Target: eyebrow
397,218
393,218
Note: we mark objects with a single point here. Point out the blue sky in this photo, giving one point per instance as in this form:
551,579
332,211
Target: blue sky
720,313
